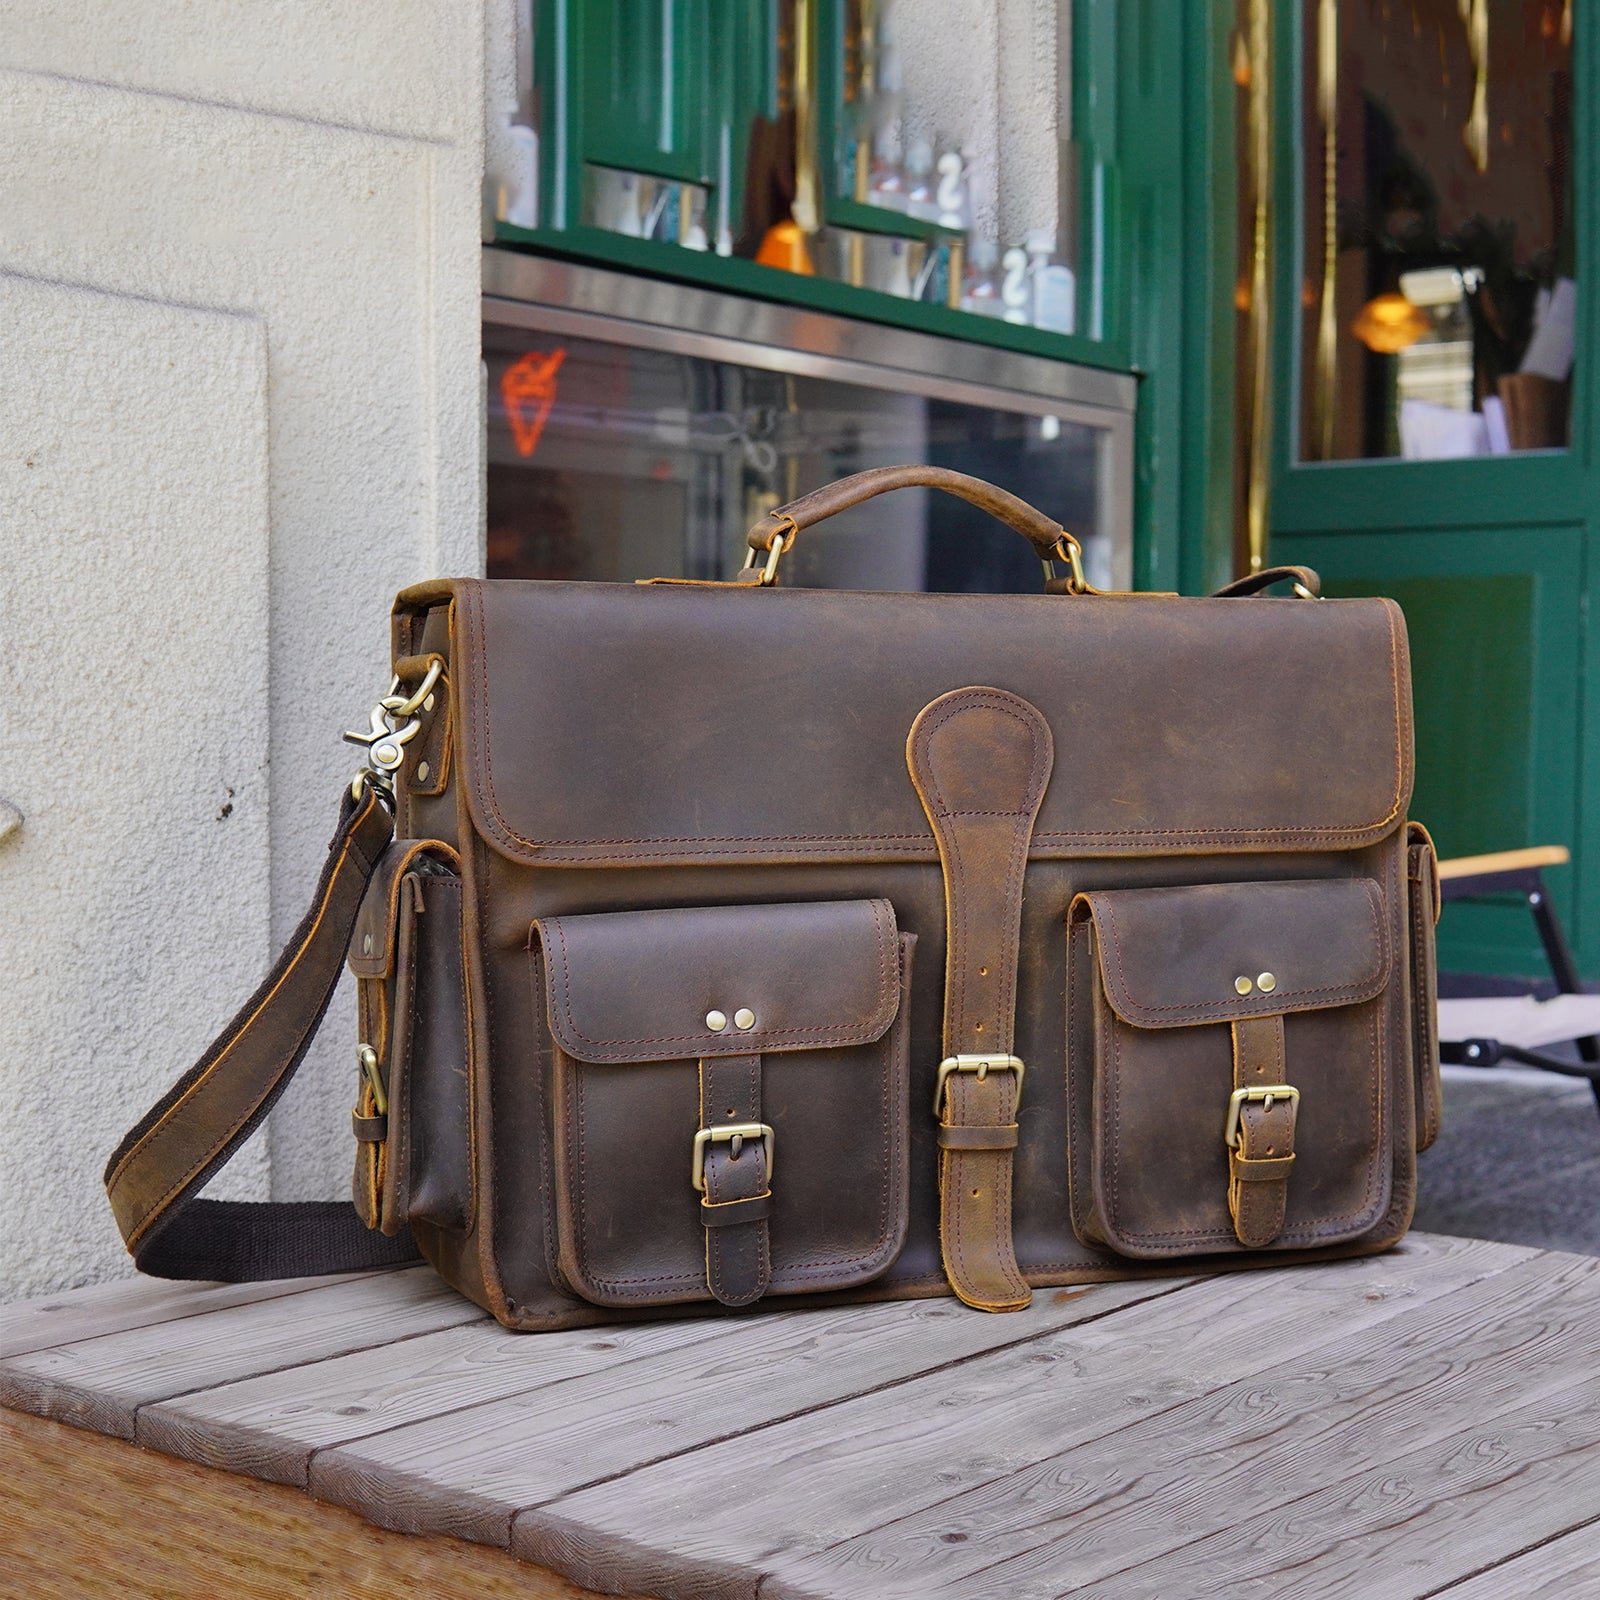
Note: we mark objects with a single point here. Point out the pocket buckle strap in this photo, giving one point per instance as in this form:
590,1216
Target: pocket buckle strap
1263,1094
734,1133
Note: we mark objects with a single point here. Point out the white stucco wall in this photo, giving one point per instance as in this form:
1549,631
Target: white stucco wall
239,406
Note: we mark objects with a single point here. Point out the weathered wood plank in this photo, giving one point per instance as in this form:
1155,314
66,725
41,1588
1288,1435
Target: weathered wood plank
1082,1518
468,1472
692,1526
100,1383
1560,1569
269,1426
1411,1524
76,1314
89,1518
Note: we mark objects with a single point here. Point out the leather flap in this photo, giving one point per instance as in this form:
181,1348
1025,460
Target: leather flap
1171,958
639,985
615,724
372,945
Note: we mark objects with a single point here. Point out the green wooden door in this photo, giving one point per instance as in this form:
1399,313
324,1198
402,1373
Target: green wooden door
1493,557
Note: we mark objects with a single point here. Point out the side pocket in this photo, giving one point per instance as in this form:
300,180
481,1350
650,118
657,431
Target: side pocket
414,1152
1422,880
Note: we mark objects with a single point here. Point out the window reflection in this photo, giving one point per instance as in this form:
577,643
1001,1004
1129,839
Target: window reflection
1438,290
613,462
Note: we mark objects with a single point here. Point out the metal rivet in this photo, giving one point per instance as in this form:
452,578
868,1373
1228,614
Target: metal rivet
1243,985
716,1021
366,945
1266,983
744,1017
422,772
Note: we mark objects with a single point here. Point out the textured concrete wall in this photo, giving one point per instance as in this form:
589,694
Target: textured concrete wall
240,405
987,75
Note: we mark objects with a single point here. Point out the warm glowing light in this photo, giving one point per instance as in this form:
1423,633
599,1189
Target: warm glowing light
528,387
1388,323
785,247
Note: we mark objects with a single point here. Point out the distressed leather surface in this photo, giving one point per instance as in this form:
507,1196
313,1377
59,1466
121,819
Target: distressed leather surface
623,725
980,759
1162,1037
620,749
824,1063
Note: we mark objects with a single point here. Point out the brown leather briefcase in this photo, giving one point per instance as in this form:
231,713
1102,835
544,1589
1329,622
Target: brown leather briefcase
720,944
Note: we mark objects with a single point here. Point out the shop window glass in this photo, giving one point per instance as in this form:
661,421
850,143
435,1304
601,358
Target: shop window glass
614,462
1438,274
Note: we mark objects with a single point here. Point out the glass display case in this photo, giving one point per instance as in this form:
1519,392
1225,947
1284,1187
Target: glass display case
636,428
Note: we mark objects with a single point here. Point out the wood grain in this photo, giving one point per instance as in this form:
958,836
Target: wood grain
90,1518
100,1383
1413,1523
269,1426
77,1314
685,1527
1562,1568
469,1472
1082,1518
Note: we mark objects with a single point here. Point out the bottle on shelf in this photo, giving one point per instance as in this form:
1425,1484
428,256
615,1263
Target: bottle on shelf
980,288
1053,298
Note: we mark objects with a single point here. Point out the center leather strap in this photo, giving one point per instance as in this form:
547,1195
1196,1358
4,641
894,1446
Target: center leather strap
737,1198
980,760
1260,1159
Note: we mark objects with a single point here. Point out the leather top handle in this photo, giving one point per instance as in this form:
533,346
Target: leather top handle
1042,532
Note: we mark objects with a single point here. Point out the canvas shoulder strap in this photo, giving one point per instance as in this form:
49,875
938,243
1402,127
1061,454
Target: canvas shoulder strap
157,1171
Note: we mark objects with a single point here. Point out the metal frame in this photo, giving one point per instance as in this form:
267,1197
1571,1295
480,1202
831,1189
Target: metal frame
1529,883
580,301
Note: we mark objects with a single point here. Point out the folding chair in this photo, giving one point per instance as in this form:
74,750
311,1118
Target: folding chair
1484,1032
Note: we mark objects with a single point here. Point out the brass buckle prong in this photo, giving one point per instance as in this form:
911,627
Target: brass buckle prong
733,1133
982,1066
1266,1093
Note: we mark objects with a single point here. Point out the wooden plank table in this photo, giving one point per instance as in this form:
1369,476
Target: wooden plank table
1424,1423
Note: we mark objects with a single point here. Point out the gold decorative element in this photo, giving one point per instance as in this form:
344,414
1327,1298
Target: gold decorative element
1475,135
1242,985
716,1021
744,1017
1322,395
1260,133
1266,983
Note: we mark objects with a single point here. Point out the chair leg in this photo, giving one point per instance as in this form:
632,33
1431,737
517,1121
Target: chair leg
1562,966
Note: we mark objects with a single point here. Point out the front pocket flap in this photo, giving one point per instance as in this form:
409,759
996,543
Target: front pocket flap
640,985
1170,958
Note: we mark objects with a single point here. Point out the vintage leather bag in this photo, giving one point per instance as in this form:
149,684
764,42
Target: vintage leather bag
728,945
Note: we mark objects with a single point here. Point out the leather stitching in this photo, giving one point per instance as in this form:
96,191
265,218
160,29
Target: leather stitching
832,1034
1353,991
552,850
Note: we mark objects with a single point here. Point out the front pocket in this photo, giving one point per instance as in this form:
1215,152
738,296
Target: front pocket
730,1098
1249,1012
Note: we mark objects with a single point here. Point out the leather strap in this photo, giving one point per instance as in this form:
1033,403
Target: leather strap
158,1169
737,1199
980,759
1259,1164
1255,582
1042,532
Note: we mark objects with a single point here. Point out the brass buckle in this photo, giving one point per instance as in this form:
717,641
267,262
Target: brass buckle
1067,549
780,542
734,1133
373,1070
1266,1093
983,1066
